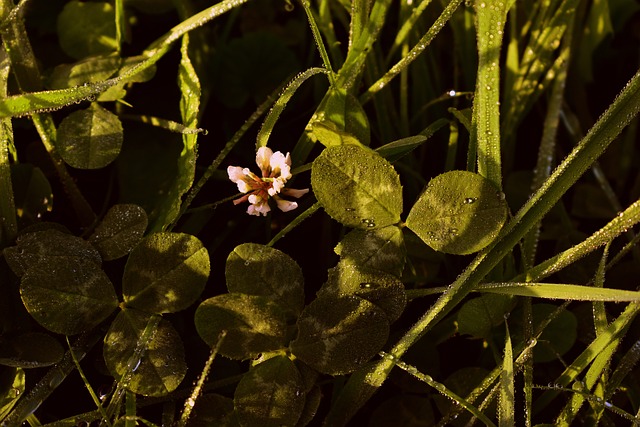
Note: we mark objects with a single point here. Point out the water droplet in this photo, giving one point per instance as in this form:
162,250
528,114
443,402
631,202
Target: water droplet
349,209
452,93
367,285
470,200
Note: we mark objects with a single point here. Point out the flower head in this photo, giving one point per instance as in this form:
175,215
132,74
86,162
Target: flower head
276,171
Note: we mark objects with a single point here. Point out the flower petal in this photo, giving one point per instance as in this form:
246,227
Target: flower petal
280,166
285,205
235,173
259,209
276,186
241,199
263,157
295,193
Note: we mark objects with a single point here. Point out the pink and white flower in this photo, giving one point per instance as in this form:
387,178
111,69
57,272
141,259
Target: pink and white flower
276,171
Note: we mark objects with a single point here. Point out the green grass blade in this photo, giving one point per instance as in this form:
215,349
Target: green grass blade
596,376
191,401
120,22
485,128
190,91
524,353
621,223
361,386
624,368
274,114
360,46
413,53
560,291
614,332
262,108
506,405
166,124
318,39
440,388
544,39
34,102
548,140
33,398
325,24
408,25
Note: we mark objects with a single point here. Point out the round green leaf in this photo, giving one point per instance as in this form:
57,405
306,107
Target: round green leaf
165,273
379,249
87,28
253,324
379,288
90,138
162,366
458,213
30,350
254,269
270,395
51,243
338,334
357,187
67,295
120,230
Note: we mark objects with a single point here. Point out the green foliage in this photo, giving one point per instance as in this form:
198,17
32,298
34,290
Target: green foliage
12,385
67,294
87,29
166,272
161,367
120,231
270,394
253,324
338,334
459,213
254,269
357,187
340,120
464,187
30,350
90,138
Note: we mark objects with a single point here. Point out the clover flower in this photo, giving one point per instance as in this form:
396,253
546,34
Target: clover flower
276,171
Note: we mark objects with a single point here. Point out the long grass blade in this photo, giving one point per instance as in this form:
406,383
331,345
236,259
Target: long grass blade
506,405
624,108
